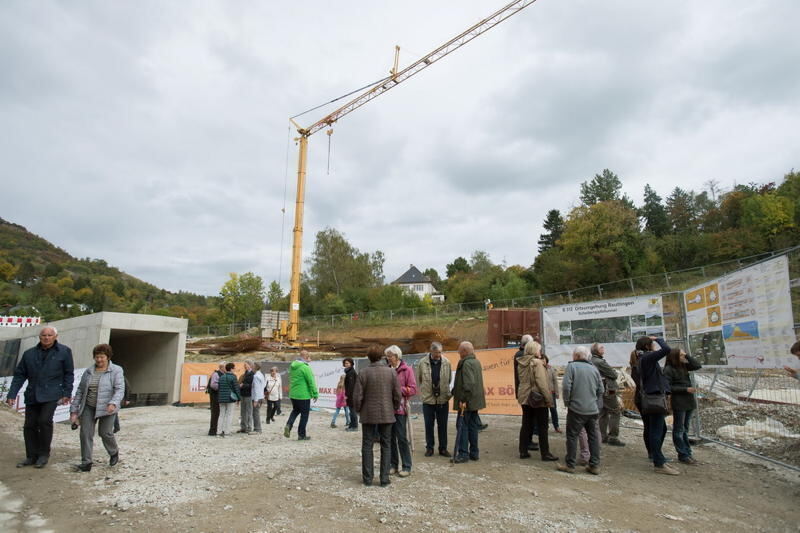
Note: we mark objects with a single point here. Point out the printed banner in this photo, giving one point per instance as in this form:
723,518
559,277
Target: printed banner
62,411
743,319
498,380
614,323
194,380
327,373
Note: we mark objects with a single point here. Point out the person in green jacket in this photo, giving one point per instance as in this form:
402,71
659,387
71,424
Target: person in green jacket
469,398
302,389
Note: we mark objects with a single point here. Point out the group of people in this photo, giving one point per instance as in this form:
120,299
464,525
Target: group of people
250,391
380,396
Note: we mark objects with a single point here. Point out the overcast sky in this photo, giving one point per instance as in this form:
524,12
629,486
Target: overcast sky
155,135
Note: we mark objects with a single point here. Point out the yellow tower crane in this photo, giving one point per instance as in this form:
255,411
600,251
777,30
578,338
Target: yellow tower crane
291,331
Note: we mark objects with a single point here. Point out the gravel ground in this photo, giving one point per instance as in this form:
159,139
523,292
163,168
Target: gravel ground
172,476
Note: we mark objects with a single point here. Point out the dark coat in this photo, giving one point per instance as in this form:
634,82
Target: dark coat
228,384
350,377
608,374
651,379
679,381
468,385
377,394
246,387
50,374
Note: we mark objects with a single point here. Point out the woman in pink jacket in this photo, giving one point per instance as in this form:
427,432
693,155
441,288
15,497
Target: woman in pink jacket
401,451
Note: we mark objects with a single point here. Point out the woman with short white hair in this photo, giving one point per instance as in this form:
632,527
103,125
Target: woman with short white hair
400,449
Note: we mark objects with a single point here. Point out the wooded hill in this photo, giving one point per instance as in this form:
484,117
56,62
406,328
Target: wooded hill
40,279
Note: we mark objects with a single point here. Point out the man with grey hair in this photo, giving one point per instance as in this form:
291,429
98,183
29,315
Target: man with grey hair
582,391
49,370
611,410
433,381
469,397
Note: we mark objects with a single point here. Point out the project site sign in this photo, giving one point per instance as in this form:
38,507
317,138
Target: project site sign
614,323
744,319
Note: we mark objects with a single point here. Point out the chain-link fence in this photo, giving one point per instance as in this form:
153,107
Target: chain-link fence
666,282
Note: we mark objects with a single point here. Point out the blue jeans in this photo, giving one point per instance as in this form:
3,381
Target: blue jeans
467,427
436,413
680,433
401,451
655,429
346,415
302,408
554,412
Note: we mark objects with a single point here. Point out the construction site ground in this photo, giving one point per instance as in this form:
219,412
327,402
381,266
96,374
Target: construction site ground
173,477
352,340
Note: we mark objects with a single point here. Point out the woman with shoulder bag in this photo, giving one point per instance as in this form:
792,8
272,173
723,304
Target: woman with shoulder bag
228,397
651,390
535,397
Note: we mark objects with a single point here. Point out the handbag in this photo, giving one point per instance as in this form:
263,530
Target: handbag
654,403
535,399
234,397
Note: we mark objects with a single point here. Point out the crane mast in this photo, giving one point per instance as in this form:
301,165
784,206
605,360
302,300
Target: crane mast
291,332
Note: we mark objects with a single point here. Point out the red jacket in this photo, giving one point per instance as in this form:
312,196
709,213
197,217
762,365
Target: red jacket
408,385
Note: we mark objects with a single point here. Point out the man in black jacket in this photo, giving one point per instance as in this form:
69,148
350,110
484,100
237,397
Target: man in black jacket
49,370
350,377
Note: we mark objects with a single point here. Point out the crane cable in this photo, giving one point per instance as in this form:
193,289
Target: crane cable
367,86
283,210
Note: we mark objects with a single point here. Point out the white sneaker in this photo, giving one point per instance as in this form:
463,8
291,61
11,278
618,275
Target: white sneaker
404,473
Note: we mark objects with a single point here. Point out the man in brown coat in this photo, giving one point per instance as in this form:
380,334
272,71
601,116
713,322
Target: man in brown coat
376,398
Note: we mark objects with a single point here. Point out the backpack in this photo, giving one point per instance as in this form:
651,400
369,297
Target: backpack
209,390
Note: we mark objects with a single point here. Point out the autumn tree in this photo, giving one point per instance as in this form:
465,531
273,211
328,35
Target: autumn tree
336,265
242,297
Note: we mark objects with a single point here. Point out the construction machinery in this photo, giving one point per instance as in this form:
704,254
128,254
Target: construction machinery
290,332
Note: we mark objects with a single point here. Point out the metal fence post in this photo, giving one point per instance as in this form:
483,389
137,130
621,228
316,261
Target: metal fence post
755,382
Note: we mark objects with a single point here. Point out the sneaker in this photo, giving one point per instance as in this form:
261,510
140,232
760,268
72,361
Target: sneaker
615,442
333,425
688,461
566,468
595,470
392,471
444,453
41,461
286,431
222,434
666,469
304,438
525,455
403,473
351,429
428,453
386,483
459,460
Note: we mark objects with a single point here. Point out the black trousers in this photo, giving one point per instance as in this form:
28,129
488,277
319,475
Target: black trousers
436,413
38,428
534,417
368,431
353,417
272,408
214,397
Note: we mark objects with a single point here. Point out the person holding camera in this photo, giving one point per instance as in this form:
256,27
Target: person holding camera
433,381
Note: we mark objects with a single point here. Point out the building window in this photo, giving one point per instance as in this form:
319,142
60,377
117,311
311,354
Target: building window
419,288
